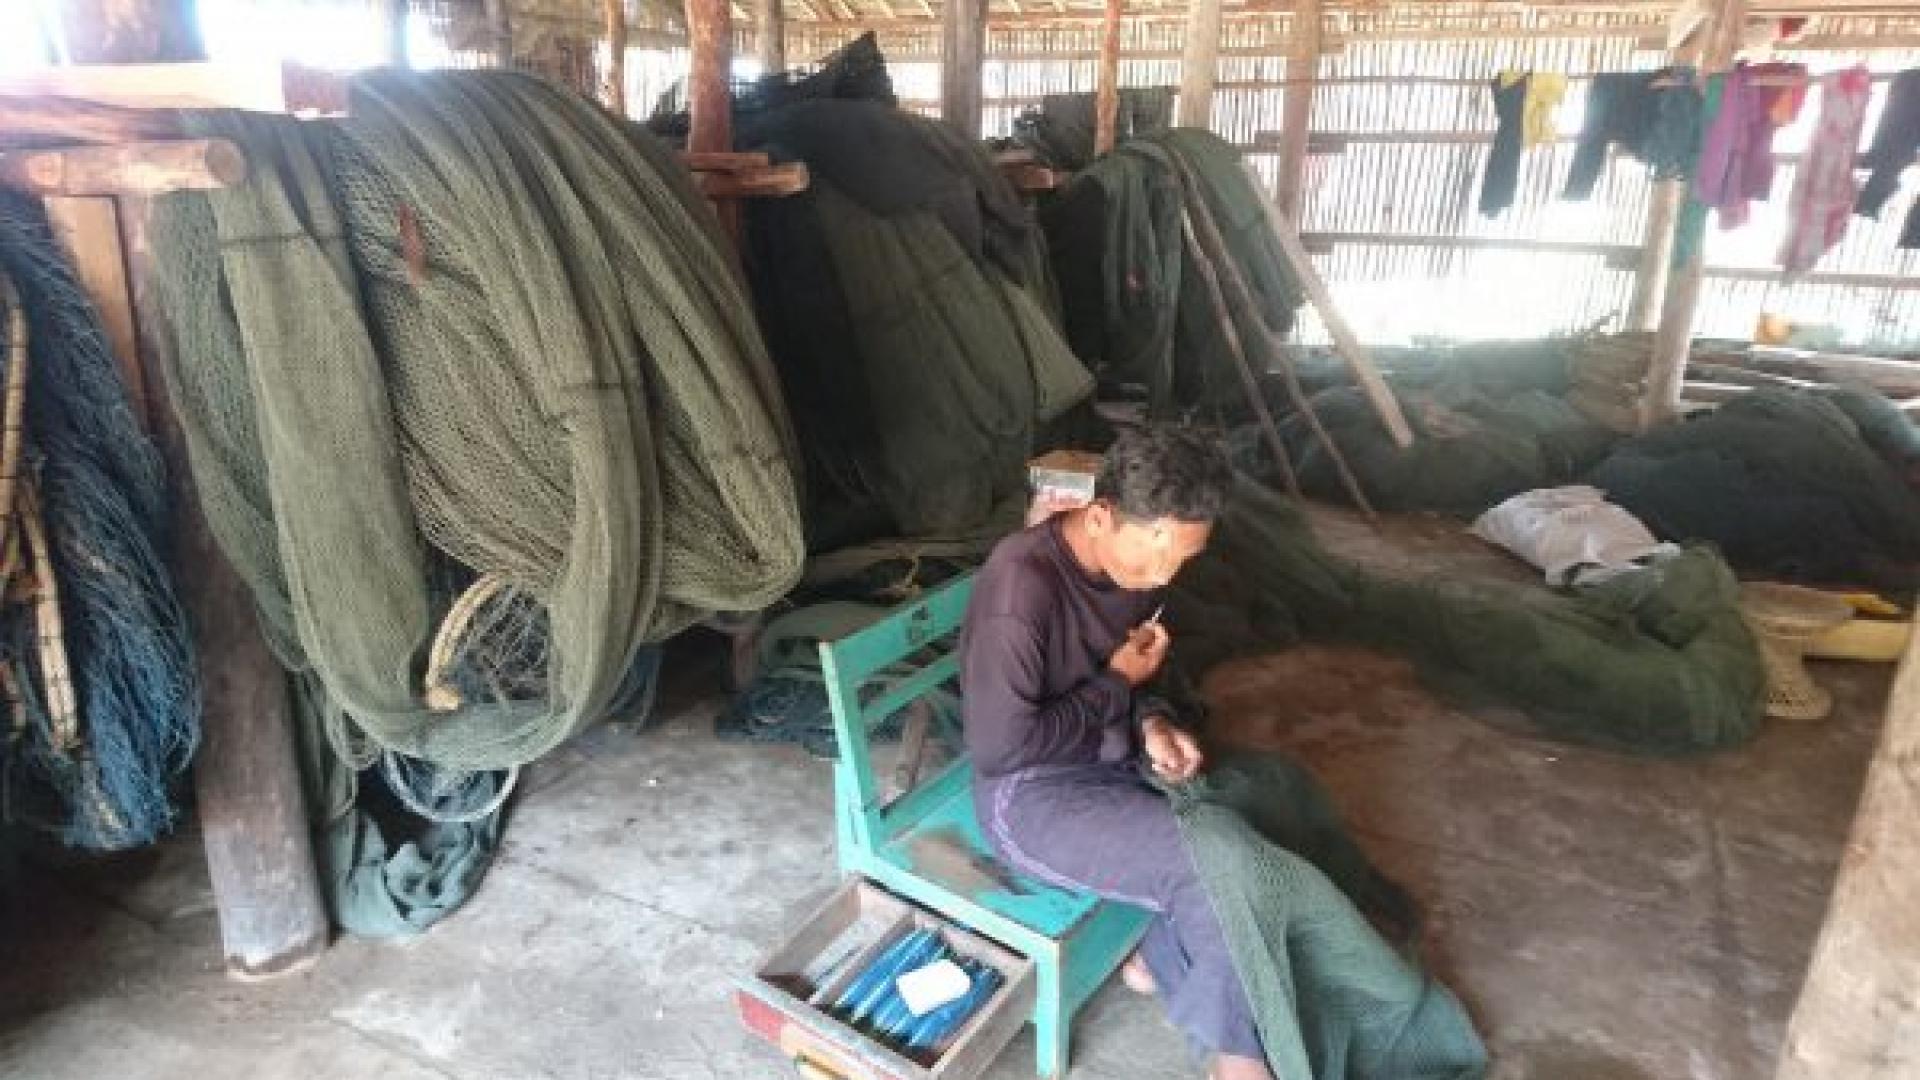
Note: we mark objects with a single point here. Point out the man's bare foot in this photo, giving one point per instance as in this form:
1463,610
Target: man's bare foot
1228,1067
1135,974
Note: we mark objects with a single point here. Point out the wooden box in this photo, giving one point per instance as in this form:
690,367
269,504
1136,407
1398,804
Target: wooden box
784,1001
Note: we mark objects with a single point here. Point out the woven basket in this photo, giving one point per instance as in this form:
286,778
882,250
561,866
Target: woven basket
1786,620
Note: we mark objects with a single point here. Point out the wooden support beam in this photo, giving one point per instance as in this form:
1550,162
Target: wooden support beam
88,230
1200,63
1345,341
1673,340
770,35
1106,100
616,19
963,45
39,120
393,23
247,788
500,33
1857,1014
773,181
709,78
144,168
1303,73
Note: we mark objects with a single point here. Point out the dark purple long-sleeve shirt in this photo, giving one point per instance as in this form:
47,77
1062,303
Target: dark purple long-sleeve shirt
1034,683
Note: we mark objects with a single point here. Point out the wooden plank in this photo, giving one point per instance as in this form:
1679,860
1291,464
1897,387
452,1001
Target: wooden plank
1345,341
1673,339
774,181
1857,1015
88,230
40,121
963,44
615,14
155,86
770,35
145,168
252,812
1200,63
1106,92
1303,68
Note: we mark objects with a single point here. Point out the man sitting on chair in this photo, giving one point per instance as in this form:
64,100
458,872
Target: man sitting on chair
1061,634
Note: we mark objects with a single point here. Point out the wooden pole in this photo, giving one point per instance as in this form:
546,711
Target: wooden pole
1200,63
1345,341
616,15
1857,1013
1673,340
131,31
147,168
40,120
253,817
393,18
963,50
1106,115
1303,70
770,35
1663,218
500,33
88,230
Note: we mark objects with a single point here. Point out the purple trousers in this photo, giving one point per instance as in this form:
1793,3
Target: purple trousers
1102,829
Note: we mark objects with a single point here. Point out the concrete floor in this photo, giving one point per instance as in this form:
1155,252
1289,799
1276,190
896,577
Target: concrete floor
1604,917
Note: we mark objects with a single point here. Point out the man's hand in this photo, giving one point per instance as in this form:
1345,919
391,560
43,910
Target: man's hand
1171,750
1138,658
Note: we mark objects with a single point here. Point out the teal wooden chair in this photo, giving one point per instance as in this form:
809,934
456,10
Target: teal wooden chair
1075,941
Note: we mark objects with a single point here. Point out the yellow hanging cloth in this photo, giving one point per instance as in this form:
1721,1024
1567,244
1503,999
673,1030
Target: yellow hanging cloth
1544,92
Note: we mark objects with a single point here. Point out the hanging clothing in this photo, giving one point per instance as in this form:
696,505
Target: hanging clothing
1736,160
1690,234
1510,97
1653,115
1824,187
1894,144
1545,91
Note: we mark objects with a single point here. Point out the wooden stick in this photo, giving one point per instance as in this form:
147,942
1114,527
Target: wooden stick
731,161
1200,63
774,181
1106,101
15,408
1256,400
709,97
1345,341
40,120
50,635
141,168
616,18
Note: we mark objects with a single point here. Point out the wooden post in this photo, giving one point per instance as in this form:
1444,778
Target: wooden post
770,35
1857,1014
616,13
253,817
963,49
500,33
1106,101
709,94
1663,217
131,31
148,168
1674,339
88,230
393,18
1303,71
1200,63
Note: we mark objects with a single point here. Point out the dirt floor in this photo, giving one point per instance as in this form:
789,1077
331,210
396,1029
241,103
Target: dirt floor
1604,917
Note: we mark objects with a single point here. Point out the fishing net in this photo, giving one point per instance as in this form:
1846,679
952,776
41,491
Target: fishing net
1785,482
1060,133
103,711
553,384
1654,661
907,304
1138,310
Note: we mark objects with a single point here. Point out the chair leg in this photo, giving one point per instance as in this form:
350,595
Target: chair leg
1050,1022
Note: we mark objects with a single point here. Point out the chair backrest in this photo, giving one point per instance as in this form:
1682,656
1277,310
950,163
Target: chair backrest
876,672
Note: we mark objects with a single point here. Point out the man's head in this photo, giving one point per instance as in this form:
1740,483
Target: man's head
1154,504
